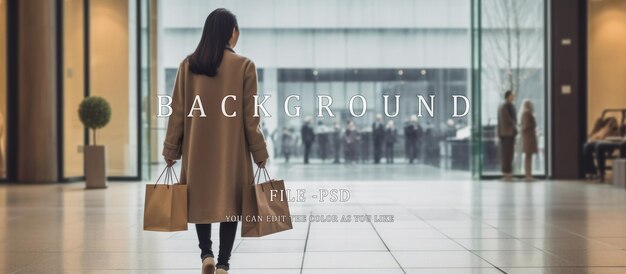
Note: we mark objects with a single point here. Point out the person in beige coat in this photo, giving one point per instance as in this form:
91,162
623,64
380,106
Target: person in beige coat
528,126
217,136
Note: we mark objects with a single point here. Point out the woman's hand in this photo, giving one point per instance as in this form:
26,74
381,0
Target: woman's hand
262,163
169,162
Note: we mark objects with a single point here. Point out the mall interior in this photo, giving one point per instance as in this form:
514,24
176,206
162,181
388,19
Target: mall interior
452,212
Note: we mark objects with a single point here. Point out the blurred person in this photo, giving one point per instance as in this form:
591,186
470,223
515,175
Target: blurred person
351,137
287,143
602,129
406,144
378,136
365,144
390,140
428,149
411,134
336,135
528,128
323,137
308,137
211,167
271,145
606,148
507,130
275,136
451,129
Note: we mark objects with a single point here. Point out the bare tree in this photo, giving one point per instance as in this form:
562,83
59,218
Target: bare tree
513,34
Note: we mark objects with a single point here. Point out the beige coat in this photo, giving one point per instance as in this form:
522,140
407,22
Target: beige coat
217,151
528,127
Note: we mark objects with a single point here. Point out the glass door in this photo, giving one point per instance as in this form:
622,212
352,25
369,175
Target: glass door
509,54
73,87
114,74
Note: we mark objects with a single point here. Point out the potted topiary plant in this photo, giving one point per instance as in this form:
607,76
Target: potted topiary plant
94,113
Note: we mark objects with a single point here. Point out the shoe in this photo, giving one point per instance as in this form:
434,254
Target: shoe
208,265
592,177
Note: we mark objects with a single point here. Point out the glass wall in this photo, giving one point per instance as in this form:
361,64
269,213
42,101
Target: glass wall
513,58
73,86
3,87
375,48
342,48
113,75
439,134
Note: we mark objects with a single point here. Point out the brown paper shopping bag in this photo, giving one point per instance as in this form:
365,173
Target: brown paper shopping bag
165,208
265,207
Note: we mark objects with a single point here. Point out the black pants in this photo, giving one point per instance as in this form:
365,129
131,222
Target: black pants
507,145
411,148
351,153
378,150
588,154
337,145
323,149
389,152
228,231
603,149
307,151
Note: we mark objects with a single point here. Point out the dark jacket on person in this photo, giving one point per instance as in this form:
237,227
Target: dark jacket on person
507,122
351,136
378,132
308,136
336,136
412,132
390,135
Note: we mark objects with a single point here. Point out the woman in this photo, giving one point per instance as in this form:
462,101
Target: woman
529,136
287,142
217,151
390,141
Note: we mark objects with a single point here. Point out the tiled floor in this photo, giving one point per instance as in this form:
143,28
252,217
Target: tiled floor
440,226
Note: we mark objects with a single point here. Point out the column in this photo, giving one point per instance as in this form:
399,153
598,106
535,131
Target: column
568,87
37,83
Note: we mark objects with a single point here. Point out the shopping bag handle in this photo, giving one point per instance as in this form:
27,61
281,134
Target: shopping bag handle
170,174
266,175
257,176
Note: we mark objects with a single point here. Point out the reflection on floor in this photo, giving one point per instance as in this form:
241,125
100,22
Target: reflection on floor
447,226
318,171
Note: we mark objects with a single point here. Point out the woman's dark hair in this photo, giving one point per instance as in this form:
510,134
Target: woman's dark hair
218,29
601,123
